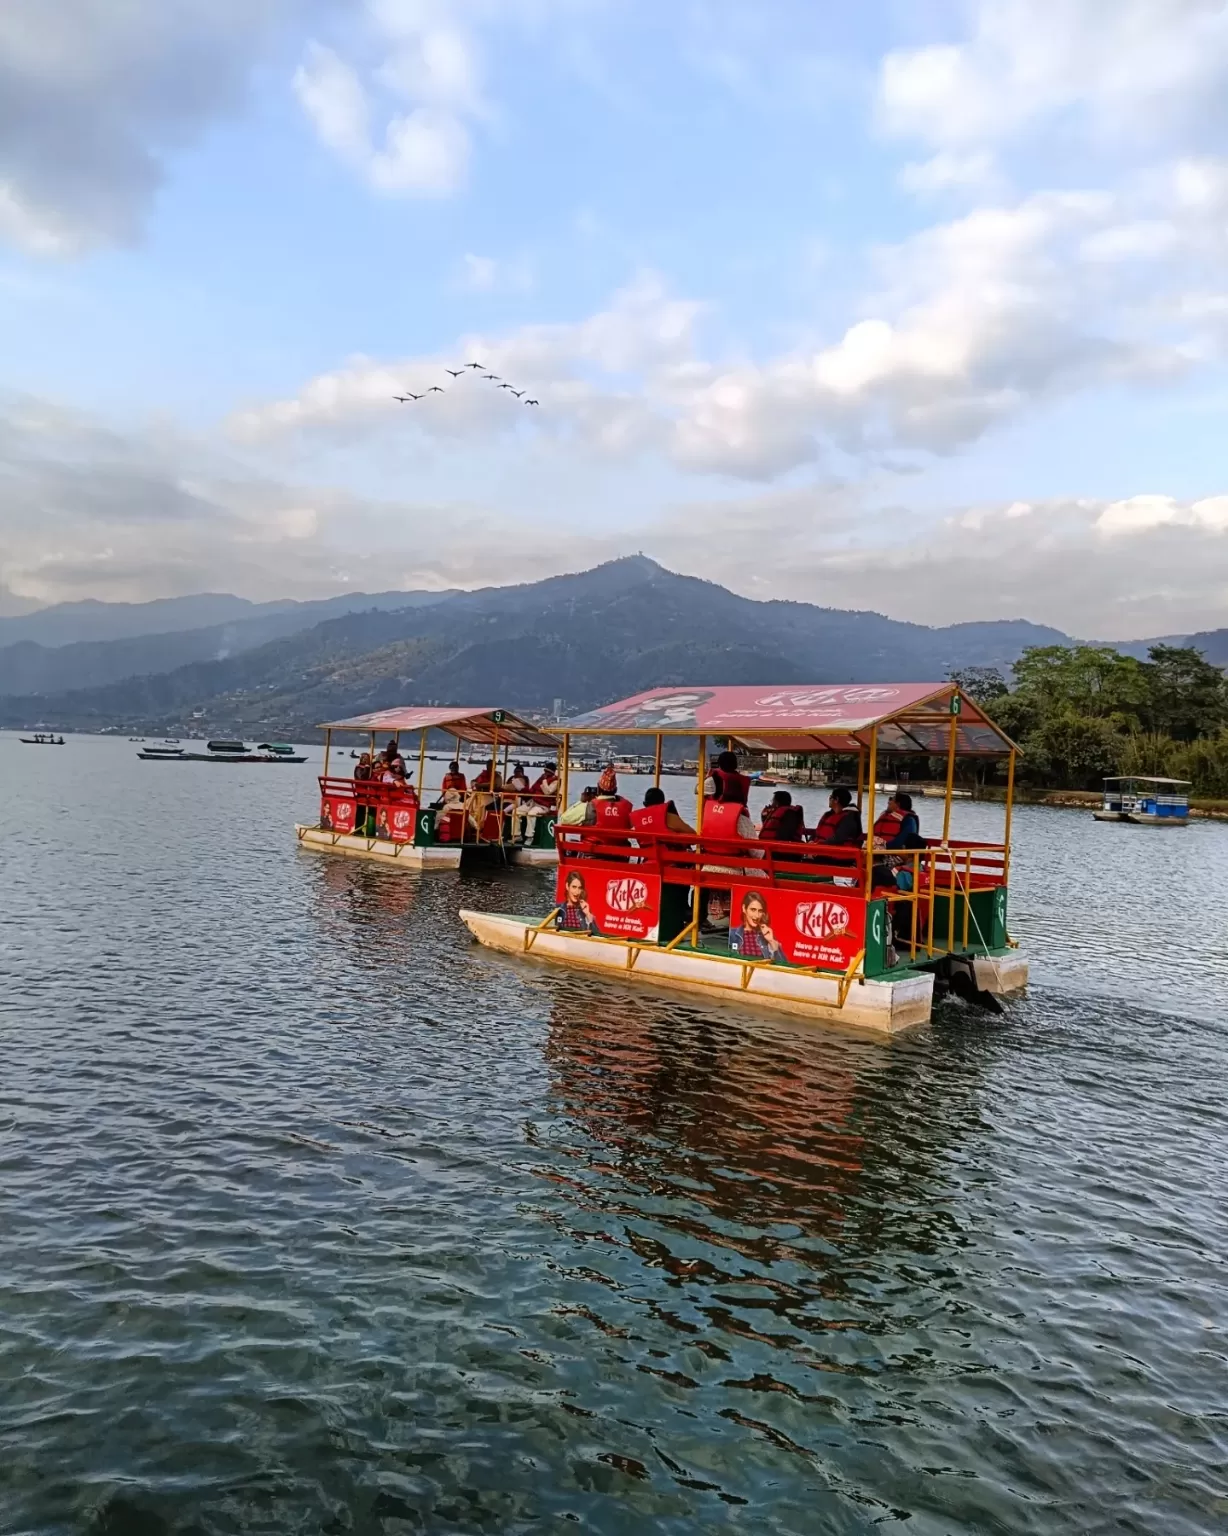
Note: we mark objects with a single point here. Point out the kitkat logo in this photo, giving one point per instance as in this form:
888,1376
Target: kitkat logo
402,819
626,895
820,919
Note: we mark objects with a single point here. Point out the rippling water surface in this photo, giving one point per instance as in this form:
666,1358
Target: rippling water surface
314,1217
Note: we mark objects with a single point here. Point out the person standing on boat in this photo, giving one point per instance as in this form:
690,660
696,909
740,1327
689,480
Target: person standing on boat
363,773
726,792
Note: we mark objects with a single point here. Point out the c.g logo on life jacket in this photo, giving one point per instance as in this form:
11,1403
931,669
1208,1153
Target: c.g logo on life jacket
626,895
820,919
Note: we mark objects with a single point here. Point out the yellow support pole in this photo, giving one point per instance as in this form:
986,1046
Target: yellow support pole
566,765
328,746
1006,834
656,765
421,765
951,743
870,812
701,773
861,774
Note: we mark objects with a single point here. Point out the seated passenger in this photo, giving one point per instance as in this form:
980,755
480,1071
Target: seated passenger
840,824
899,826
518,781
362,769
545,788
608,810
658,814
454,781
783,822
577,815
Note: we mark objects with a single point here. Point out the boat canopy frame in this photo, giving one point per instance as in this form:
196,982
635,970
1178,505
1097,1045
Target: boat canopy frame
486,727
864,720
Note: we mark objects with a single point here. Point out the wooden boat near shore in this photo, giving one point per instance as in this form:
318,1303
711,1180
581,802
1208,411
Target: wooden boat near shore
847,932
223,752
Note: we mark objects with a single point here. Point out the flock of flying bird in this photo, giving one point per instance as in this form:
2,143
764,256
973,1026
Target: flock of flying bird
439,389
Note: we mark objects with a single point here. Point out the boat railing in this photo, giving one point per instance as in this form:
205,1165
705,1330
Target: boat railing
943,897
474,816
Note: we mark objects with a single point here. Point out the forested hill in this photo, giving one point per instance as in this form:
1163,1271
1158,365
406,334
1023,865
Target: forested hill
583,639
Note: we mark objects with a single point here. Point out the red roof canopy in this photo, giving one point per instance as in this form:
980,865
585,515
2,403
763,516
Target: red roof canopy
836,717
485,726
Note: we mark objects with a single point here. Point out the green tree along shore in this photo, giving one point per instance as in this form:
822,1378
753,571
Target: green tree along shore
1082,713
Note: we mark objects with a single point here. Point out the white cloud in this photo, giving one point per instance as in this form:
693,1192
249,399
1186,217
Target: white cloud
1128,68
1141,514
423,82
975,321
94,96
950,170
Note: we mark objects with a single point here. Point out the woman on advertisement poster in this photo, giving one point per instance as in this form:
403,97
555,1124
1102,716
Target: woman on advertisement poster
575,915
754,939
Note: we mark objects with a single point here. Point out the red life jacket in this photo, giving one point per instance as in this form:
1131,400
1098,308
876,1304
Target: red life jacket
650,818
613,813
730,786
828,822
453,781
783,824
541,792
889,823
721,818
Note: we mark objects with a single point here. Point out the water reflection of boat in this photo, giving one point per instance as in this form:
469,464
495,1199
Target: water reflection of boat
1146,802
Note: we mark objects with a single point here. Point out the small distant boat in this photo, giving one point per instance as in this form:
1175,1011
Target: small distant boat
1146,802
224,752
41,740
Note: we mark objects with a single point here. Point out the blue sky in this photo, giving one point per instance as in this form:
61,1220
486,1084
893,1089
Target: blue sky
920,307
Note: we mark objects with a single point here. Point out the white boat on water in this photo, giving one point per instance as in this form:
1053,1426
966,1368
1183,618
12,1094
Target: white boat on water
1146,802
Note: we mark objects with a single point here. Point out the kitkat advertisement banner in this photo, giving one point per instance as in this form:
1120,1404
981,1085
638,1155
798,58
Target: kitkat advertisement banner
337,813
614,903
823,931
396,822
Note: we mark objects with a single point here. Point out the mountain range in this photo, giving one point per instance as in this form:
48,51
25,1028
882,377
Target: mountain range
567,641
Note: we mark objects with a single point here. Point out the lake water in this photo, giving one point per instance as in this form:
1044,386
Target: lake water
315,1217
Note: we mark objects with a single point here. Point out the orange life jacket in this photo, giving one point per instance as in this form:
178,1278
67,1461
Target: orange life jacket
612,813
650,818
454,781
721,818
889,824
828,822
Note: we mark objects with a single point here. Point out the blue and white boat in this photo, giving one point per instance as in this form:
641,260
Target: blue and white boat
1146,802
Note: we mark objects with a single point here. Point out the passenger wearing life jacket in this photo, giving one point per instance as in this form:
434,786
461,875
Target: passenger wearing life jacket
608,810
782,821
726,792
542,798
840,824
724,782
453,781
658,814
